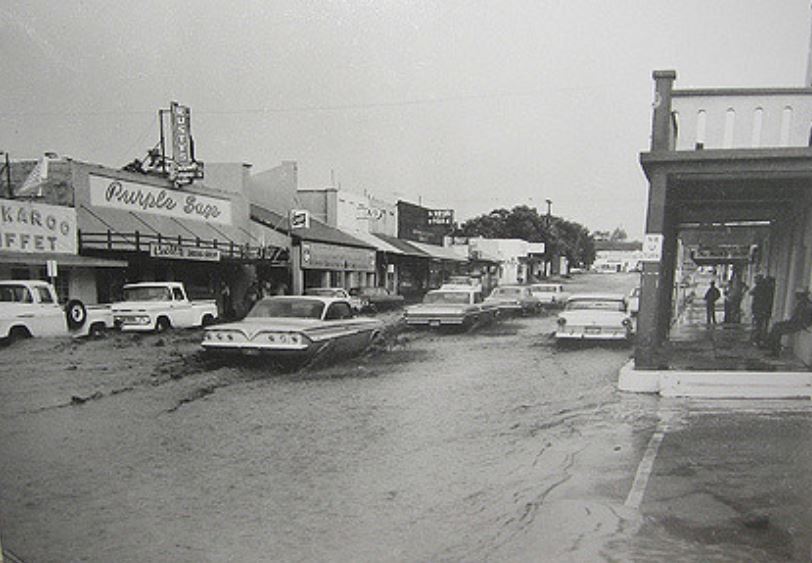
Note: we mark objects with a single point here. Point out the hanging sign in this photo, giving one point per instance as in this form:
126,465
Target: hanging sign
652,247
299,219
178,252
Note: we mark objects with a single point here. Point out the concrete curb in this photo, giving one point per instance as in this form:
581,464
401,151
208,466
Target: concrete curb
716,384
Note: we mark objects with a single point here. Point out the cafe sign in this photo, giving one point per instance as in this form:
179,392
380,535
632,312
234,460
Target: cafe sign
321,256
178,252
37,228
143,198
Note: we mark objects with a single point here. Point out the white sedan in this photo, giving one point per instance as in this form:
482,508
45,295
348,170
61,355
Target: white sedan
595,316
552,294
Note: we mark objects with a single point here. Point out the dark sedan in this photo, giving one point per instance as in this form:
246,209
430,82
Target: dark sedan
377,298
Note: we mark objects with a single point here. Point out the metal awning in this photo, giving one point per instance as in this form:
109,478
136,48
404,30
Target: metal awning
440,252
379,244
117,230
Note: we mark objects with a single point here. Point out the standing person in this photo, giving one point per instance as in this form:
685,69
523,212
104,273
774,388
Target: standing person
225,297
801,318
711,297
761,308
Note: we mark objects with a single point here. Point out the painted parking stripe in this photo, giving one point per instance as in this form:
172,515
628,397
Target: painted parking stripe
641,478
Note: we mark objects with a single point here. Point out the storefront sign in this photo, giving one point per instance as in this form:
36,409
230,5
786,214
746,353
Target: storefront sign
441,216
178,252
299,219
322,256
143,198
181,135
36,228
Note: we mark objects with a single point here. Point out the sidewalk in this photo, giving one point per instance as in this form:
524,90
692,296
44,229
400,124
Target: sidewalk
718,361
694,345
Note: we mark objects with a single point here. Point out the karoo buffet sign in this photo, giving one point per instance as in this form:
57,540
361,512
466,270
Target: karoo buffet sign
143,198
36,228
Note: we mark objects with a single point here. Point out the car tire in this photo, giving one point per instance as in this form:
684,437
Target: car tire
18,333
76,314
162,325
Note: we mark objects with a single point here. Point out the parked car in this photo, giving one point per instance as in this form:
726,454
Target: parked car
358,303
595,316
457,306
158,306
516,299
31,308
377,298
295,327
634,301
550,294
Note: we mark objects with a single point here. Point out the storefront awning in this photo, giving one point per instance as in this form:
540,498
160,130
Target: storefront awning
113,229
407,248
440,252
66,260
379,244
317,232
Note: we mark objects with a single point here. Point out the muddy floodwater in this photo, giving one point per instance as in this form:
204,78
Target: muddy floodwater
492,444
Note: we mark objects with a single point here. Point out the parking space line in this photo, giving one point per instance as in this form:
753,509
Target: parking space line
641,478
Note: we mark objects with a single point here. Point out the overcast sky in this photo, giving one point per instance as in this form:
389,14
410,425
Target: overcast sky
470,105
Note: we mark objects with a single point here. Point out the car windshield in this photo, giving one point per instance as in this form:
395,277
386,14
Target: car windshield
596,305
544,289
295,308
14,294
450,297
507,292
323,291
147,293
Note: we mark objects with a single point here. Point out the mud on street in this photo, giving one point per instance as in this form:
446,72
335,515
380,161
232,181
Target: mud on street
491,444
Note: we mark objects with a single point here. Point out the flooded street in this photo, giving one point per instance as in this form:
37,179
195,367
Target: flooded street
492,444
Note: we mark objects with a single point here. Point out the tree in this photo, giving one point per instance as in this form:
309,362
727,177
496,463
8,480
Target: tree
618,235
568,238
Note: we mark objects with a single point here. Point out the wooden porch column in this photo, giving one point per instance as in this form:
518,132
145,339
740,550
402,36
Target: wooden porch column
656,280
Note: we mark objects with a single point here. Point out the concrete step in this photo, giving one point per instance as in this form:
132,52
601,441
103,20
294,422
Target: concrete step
716,384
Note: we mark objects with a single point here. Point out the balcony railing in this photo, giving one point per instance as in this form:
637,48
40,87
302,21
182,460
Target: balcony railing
742,118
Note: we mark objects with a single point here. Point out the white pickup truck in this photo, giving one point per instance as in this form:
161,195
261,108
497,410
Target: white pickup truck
31,308
157,306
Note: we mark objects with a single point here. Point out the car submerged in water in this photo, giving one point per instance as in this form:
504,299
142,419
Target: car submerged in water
595,316
295,328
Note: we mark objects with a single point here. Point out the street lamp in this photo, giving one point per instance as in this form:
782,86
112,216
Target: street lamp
548,266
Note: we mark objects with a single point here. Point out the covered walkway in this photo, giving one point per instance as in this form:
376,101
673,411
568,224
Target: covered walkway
693,345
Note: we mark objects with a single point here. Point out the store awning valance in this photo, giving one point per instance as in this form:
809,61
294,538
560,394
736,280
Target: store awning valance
66,260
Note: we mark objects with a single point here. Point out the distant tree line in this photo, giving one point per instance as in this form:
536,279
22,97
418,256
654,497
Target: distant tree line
567,238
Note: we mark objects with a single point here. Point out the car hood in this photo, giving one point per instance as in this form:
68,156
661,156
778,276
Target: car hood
124,306
603,318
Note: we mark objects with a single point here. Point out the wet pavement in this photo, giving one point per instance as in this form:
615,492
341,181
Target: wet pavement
492,444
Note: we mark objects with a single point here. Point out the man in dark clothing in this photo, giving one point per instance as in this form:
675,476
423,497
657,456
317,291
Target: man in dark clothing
762,306
711,297
801,318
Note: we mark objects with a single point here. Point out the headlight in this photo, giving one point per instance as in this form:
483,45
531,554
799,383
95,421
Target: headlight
561,321
627,323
